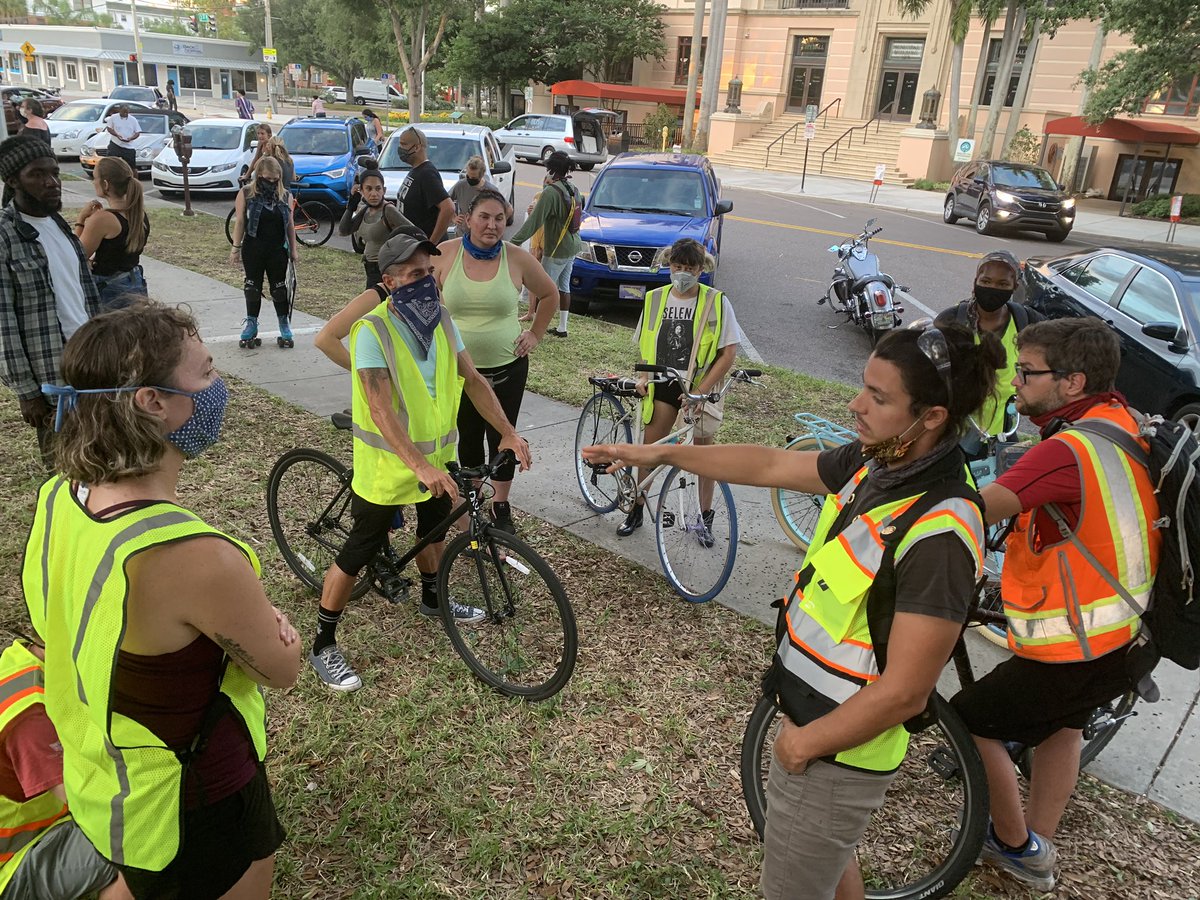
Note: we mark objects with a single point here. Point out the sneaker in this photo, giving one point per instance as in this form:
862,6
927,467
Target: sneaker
557,332
331,667
706,536
465,615
632,522
502,517
1034,865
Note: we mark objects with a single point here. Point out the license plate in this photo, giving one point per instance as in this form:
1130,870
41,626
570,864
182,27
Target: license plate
631,292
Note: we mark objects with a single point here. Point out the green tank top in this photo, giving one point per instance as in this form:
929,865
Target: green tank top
485,312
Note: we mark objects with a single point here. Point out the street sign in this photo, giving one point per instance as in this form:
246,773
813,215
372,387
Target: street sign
385,77
28,49
880,171
296,69
269,55
1176,207
810,130
810,113
964,150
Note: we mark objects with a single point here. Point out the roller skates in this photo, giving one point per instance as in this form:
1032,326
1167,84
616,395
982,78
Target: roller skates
285,338
249,337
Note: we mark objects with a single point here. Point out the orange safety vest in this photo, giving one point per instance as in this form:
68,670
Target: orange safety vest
1060,608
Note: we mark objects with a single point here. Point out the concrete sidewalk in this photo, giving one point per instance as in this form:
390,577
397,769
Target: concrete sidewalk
1096,218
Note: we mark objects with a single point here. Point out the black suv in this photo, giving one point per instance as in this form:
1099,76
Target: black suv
998,194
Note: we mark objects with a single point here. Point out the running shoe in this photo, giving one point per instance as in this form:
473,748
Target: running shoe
1034,865
502,517
465,615
706,536
331,667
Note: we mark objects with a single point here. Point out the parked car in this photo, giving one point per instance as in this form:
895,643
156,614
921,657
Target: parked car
13,97
334,94
221,152
450,146
156,128
370,90
134,93
1153,306
536,136
73,123
325,152
641,203
995,194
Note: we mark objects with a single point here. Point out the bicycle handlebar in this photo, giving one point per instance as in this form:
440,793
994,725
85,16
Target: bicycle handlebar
667,375
462,476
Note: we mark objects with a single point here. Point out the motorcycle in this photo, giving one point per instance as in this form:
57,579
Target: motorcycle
867,296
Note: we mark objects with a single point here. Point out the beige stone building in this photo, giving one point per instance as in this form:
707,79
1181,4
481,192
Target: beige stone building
861,61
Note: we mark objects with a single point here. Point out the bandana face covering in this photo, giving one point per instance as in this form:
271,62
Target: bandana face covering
481,252
417,305
891,449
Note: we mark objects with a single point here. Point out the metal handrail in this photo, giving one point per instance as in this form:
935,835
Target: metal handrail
837,101
864,126
825,111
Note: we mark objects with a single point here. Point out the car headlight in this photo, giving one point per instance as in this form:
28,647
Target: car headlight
335,173
161,166
224,167
69,135
87,149
1069,203
586,253
1005,197
148,153
660,258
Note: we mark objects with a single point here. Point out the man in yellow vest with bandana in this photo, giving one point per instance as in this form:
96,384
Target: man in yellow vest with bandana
857,657
42,852
409,371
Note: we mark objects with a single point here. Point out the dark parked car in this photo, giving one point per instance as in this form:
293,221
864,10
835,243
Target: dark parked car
1153,307
996,194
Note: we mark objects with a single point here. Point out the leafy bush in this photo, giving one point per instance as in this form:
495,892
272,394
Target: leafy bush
925,184
1159,207
662,117
1024,147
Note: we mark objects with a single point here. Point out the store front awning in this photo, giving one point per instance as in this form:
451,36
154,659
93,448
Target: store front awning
604,91
1130,131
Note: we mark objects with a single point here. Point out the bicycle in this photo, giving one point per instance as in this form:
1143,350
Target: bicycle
526,645
312,219
930,831
697,555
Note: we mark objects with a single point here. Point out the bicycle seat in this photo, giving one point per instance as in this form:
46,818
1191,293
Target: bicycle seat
617,385
341,421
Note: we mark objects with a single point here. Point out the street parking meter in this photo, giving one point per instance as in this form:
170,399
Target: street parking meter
182,142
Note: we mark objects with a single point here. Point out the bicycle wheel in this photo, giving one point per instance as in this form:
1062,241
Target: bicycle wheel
526,645
930,830
798,512
1103,726
697,555
313,222
229,224
308,504
603,421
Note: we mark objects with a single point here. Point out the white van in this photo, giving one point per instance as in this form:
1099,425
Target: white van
369,90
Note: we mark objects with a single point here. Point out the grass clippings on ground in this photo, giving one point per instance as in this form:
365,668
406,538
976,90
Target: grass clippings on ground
425,784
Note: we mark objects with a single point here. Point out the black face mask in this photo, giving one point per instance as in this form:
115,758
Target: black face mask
990,299
472,181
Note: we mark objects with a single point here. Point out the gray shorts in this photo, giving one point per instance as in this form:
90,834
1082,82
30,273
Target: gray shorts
62,864
559,271
814,821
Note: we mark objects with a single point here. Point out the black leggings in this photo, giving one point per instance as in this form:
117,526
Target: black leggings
272,262
508,382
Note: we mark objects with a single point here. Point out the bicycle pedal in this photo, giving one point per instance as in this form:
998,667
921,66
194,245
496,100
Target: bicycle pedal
668,520
941,761
395,590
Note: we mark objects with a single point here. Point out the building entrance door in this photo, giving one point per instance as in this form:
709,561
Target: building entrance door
226,93
1152,176
808,71
898,80
119,74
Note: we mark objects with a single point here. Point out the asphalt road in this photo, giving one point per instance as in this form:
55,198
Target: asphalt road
775,265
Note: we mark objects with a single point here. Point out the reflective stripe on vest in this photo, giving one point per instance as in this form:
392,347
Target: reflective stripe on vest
708,333
380,476
123,784
1059,608
22,824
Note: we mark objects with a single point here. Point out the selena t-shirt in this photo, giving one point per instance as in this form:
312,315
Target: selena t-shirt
368,352
64,273
676,334
420,195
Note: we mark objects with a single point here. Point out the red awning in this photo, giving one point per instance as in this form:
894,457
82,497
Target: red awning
1127,130
602,91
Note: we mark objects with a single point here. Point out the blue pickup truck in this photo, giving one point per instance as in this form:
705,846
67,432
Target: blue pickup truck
639,206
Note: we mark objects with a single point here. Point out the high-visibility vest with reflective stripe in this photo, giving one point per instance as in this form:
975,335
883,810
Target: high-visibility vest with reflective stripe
22,824
1059,608
991,415
380,476
124,785
707,332
828,642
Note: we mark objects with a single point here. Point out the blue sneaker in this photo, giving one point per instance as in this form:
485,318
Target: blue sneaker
1034,865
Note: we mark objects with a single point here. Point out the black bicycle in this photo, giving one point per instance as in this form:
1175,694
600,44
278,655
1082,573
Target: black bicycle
313,220
526,644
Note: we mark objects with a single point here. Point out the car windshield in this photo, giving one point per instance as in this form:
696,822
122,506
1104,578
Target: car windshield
449,154
675,193
1022,177
154,125
215,137
132,94
85,112
315,141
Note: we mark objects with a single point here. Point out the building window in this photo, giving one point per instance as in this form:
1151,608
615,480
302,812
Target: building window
92,73
1181,98
622,72
195,79
245,81
31,67
993,67
150,74
51,69
14,63
72,71
683,59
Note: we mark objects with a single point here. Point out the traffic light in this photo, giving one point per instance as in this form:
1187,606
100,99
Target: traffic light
212,25
133,57
193,24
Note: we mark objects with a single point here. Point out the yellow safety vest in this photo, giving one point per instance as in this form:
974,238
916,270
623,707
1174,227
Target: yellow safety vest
706,332
22,825
828,642
990,416
380,476
124,785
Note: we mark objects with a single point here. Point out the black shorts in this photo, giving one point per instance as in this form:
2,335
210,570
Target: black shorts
219,843
670,394
372,523
1025,701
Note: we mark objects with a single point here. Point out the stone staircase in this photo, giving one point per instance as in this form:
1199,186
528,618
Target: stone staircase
855,159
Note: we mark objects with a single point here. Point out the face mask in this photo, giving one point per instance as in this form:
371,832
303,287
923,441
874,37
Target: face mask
472,181
403,153
990,299
203,428
684,281
891,449
268,187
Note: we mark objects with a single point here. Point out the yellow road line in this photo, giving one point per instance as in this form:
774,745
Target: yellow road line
845,234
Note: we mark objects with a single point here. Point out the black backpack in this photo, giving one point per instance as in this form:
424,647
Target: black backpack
1173,617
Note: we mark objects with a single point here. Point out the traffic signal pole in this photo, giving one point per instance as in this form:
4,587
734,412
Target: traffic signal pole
137,43
270,42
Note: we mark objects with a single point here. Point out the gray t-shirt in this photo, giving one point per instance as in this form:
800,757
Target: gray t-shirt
463,193
678,329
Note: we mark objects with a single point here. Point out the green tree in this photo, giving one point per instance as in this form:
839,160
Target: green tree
61,12
418,27
608,32
492,51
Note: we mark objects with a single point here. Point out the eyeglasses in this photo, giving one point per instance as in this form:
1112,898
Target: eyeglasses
1023,375
933,344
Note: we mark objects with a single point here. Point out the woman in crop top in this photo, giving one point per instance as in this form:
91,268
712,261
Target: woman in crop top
114,237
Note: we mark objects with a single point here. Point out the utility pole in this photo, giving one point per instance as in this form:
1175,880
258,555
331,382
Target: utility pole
137,43
270,42
689,105
712,71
